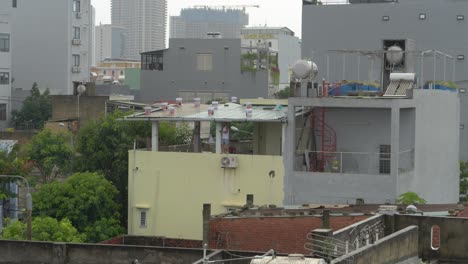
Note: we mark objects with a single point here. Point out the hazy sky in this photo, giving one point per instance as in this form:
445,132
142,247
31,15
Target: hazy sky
271,12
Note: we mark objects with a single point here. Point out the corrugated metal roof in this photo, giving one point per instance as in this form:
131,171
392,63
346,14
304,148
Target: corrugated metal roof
226,113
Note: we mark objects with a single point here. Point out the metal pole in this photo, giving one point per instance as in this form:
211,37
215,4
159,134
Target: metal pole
422,70
445,68
359,68
435,70
344,66
328,68
29,204
454,71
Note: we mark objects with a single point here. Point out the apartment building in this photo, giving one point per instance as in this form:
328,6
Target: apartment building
144,23
53,43
109,43
5,70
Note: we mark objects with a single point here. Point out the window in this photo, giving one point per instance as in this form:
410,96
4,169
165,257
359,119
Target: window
76,60
384,159
4,78
460,57
269,44
105,72
76,33
143,218
121,73
385,18
4,42
422,16
15,4
76,6
153,61
204,62
460,17
3,112
113,72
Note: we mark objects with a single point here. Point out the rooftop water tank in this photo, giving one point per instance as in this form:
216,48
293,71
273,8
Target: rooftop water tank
305,69
394,54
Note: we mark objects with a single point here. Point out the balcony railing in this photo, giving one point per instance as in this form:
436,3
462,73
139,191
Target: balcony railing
354,162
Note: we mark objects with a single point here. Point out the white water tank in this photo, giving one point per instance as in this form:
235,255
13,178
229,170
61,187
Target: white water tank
394,54
305,69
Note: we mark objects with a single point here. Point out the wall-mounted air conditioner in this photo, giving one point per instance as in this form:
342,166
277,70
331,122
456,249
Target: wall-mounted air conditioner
76,41
76,69
229,162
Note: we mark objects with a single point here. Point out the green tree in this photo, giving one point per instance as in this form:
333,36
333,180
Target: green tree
103,147
410,198
37,109
87,200
283,94
464,179
50,154
44,229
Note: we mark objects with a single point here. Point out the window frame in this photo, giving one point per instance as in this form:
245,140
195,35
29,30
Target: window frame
2,78
4,42
76,6
204,62
385,159
76,60
76,33
14,3
3,112
143,218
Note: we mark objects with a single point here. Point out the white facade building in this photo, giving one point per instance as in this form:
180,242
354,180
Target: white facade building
144,22
53,43
279,39
109,43
5,71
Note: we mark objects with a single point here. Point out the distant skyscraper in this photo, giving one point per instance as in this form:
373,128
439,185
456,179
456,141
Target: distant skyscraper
144,22
110,42
197,22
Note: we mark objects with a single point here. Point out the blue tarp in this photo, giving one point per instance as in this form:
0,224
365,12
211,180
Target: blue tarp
440,87
351,87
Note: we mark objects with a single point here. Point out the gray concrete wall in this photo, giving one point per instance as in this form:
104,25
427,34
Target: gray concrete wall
289,52
453,242
437,147
360,26
92,108
398,247
180,72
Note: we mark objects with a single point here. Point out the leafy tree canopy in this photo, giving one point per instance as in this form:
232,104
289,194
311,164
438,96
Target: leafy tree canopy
37,109
410,198
50,154
464,179
44,229
283,94
87,200
103,147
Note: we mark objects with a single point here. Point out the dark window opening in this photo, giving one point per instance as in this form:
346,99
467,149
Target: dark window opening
384,159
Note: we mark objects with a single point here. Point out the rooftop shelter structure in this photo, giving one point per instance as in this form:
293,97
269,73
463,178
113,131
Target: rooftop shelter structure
178,182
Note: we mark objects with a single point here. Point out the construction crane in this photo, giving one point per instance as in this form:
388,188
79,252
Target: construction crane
227,6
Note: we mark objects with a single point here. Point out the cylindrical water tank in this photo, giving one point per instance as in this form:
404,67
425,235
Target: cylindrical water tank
394,54
304,69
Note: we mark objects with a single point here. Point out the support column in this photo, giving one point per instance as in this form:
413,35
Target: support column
289,153
218,137
196,138
284,126
395,147
154,136
206,223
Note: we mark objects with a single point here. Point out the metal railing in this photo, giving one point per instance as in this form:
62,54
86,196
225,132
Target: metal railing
354,162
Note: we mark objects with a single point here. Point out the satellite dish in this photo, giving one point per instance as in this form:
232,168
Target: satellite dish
81,89
394,54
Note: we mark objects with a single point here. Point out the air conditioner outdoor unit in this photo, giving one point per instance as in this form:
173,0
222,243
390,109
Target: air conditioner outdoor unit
76,69
76,41
78,15
229,162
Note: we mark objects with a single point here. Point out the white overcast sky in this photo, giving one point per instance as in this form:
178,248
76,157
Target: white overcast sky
271,12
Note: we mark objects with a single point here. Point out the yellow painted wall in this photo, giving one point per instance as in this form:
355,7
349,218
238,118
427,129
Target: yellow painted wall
174,186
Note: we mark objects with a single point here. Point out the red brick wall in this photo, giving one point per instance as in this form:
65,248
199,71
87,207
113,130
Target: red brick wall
286,235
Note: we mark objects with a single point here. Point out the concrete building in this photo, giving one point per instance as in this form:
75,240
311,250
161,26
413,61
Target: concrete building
281,39
209,69
113,70
109,43
144,22
373,149
198,21
204,177
432,24
5,70
57,52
